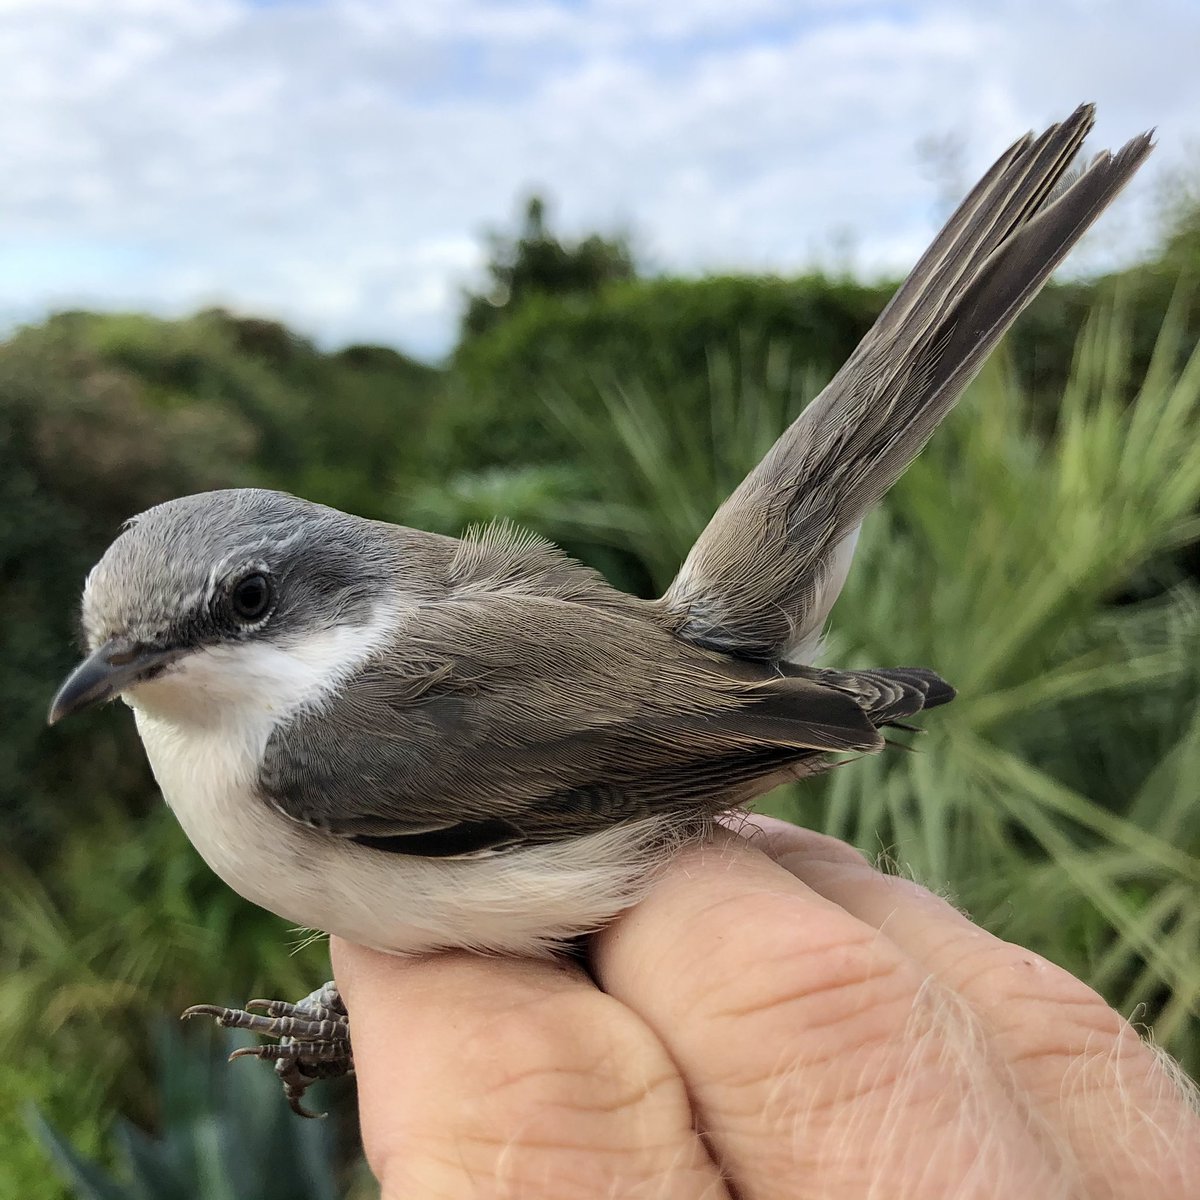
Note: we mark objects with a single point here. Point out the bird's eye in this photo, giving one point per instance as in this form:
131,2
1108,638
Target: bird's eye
251,597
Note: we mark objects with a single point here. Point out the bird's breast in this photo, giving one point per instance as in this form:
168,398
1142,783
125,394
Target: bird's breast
207,777
524,901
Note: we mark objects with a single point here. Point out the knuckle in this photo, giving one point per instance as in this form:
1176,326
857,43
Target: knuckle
803,989
565,1092
583,1059
1054,1031
1034,999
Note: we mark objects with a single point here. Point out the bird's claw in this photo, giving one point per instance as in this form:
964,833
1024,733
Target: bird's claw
313,1033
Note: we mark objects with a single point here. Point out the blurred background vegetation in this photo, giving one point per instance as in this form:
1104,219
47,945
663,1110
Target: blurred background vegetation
1041,554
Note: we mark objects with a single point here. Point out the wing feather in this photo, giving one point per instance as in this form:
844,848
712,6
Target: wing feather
502,718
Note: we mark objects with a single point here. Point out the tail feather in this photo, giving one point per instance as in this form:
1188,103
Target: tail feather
884,694
762,577
794,724
937,691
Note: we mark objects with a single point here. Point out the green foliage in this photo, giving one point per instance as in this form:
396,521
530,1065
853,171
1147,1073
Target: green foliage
338,428
129,924
221,1136
80,451
537,263
659,334
1180,250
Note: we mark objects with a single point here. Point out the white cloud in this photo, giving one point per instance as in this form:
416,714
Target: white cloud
334,162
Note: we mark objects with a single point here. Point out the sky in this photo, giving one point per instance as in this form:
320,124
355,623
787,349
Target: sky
335,164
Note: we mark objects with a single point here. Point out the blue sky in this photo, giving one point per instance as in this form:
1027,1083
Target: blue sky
333,163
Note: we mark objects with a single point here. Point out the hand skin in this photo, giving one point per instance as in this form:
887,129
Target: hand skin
830,1031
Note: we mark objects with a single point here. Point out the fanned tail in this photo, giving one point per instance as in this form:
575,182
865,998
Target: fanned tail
762,577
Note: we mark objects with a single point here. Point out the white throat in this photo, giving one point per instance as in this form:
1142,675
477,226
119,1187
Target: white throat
261,682
205,725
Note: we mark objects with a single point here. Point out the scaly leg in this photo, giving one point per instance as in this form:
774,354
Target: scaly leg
314,1038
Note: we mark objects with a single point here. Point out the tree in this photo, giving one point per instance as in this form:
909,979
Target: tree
537,262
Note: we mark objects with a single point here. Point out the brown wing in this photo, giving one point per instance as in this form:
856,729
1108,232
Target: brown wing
500,718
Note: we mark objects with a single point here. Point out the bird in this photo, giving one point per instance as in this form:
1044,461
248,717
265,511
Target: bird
419,742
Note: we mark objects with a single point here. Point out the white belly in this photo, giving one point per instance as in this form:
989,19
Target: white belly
517,902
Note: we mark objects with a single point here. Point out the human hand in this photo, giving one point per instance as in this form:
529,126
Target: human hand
776,1020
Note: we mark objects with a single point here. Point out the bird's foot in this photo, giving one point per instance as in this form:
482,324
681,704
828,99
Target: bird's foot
313,1033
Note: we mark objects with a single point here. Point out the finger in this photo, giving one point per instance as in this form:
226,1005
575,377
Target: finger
776,838
814,1049
504,1077
1108,1096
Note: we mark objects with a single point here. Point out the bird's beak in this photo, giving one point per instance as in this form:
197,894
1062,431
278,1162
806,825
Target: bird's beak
105,673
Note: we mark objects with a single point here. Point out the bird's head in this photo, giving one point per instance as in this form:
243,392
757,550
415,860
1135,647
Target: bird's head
206,599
